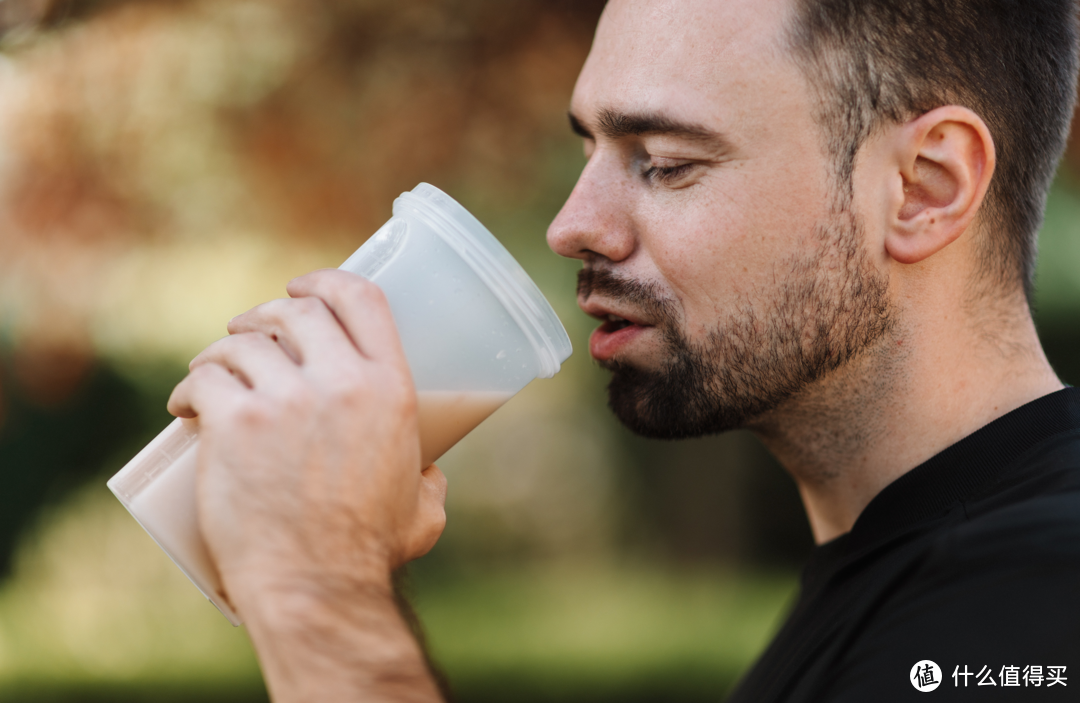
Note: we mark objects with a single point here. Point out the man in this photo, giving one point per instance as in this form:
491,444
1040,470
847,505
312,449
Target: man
811,218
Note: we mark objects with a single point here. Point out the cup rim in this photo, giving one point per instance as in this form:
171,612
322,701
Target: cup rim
497,269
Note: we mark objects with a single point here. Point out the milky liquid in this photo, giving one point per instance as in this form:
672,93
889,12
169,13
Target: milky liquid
447,416
158,485
158,489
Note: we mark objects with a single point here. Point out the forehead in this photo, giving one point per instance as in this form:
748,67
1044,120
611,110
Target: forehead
678,56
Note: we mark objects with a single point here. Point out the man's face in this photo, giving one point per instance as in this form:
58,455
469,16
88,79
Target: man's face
706,222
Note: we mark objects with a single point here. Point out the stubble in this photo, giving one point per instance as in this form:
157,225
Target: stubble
825,310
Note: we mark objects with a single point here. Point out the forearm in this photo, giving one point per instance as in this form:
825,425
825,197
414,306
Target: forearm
348,643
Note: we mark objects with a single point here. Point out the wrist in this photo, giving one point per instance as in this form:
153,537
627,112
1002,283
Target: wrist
336,640
309,597
286,570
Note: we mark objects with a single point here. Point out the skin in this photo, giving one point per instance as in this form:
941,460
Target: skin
309,491
719,236
310,494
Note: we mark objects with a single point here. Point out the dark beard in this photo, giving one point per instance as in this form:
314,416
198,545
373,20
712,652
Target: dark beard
746,367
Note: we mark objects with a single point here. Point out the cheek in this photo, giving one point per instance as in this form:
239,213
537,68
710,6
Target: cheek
727,241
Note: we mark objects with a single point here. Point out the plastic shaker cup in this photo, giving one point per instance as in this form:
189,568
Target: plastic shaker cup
475,329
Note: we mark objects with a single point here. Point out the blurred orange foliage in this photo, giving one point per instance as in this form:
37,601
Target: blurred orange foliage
124,123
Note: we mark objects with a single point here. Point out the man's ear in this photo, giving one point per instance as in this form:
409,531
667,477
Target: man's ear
945,160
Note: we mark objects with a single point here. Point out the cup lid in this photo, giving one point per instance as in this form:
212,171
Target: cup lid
502,274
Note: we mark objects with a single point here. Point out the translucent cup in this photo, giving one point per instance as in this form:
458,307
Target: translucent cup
475,329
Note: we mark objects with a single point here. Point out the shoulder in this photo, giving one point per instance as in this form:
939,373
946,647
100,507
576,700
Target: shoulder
1030,514
999,588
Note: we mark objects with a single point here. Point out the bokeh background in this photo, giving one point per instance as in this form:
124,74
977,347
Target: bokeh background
165,165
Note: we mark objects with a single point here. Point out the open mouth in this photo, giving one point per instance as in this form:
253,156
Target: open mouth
615,323
613,335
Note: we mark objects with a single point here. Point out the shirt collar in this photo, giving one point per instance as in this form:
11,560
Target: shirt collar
934,488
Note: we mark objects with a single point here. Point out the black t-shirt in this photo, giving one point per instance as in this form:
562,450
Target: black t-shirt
970,561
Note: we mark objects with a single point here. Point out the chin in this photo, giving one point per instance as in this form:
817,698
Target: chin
669,404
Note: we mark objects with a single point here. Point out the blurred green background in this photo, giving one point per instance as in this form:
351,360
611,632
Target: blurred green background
165,165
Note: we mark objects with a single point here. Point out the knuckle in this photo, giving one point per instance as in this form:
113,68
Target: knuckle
358,288
211,352
271,311
251,340
308,305
254,414
300,399
372,293
203,371
295,395
351,386
247,319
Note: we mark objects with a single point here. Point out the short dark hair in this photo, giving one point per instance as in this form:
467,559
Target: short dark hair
1012,62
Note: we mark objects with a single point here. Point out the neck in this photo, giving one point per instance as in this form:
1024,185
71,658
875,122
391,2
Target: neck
927,385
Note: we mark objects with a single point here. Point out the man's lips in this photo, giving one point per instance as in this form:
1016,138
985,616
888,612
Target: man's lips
615,333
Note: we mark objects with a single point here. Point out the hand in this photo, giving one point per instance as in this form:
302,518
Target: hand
309,464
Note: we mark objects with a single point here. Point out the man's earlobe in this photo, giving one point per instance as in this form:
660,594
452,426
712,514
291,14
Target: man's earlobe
945,160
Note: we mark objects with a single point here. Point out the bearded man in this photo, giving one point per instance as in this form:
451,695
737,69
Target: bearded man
814,219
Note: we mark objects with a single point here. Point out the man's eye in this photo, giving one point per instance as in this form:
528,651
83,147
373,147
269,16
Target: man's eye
667,174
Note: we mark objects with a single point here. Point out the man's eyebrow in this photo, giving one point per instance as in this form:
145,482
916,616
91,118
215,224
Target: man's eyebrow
615,125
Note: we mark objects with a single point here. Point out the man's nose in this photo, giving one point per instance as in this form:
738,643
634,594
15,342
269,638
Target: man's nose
596,220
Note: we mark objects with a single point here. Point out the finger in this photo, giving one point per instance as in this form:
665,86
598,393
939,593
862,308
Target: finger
307,330
208,386
255,358
434,480
360,306
431,515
